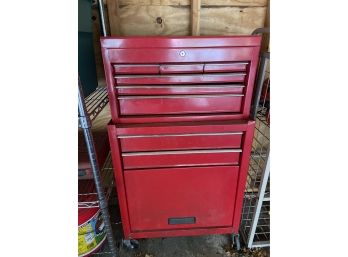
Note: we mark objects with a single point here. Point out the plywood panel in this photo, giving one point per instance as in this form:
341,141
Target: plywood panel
188,2
231,20
114,19
154,20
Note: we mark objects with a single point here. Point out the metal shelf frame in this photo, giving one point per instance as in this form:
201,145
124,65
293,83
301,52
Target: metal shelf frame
255,223
88,109
89,191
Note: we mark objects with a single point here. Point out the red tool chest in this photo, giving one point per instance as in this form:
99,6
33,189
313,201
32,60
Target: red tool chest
161,79
180,136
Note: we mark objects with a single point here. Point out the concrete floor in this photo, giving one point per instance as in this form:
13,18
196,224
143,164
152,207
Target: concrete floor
197,246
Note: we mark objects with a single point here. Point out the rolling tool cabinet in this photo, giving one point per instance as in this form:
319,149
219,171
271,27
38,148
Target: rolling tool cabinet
180,133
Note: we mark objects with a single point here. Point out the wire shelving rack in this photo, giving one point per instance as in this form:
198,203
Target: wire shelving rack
255,223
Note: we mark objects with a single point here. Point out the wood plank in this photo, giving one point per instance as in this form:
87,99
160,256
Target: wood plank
154,20
113,14
231,20
188,2
195,17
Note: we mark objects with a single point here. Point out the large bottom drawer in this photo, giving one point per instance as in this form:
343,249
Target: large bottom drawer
197,197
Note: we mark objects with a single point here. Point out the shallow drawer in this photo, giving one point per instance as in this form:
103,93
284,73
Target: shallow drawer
140,105
180,78
181,68
225,67
145,160
136,68
180,89
181,197
184,141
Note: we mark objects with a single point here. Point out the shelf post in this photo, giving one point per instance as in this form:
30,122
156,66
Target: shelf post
85,124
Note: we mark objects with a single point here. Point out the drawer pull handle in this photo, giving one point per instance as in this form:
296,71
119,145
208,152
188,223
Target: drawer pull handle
183,135
184,220
182,152
188,76
183,86
177,96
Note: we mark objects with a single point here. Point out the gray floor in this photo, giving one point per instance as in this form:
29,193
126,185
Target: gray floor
197,246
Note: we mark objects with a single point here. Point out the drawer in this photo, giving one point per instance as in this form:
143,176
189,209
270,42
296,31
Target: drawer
181,68
163,199
158,159
136,69
180,89
183,141
225,67
180,78
180,104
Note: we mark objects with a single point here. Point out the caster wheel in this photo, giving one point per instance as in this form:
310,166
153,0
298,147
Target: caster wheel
130,244
236,241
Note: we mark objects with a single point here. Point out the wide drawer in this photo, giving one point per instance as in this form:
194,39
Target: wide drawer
159,159
180,141
176,198
142,105
180,89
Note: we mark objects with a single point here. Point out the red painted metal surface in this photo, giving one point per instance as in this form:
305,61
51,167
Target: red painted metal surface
179,141
174,194
211,195
180,136
209,76
179,158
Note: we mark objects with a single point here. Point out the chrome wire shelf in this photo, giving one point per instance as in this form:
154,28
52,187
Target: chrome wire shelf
262,232
96,101
255,223
87,196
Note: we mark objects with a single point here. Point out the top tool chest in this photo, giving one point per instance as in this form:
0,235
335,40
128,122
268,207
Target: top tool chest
160,79
180,136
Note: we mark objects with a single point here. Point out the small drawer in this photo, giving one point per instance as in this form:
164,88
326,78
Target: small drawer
158,159
181,197
136,68
181,68
184,141
180,104
225,67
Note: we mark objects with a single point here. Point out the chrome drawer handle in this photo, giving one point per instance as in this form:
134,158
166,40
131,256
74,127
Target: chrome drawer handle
182,135
182,152
177,96
235,74
179,86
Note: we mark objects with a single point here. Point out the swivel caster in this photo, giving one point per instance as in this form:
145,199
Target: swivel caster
236,241
130,244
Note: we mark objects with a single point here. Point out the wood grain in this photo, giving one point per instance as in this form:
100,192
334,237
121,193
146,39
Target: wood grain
195,17
176,17
231,20
154,20
114,19
188,2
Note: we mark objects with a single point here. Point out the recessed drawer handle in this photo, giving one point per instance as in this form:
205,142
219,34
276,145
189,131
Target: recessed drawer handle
182,152
184,220
236,74
177,96
183,135
181,86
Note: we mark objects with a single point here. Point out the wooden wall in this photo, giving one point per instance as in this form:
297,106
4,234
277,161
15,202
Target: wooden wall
185,17
179,17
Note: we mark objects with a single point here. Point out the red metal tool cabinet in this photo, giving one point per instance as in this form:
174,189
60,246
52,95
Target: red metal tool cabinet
180,136
161,79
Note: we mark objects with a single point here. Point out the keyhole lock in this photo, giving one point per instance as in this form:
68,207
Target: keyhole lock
182,53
